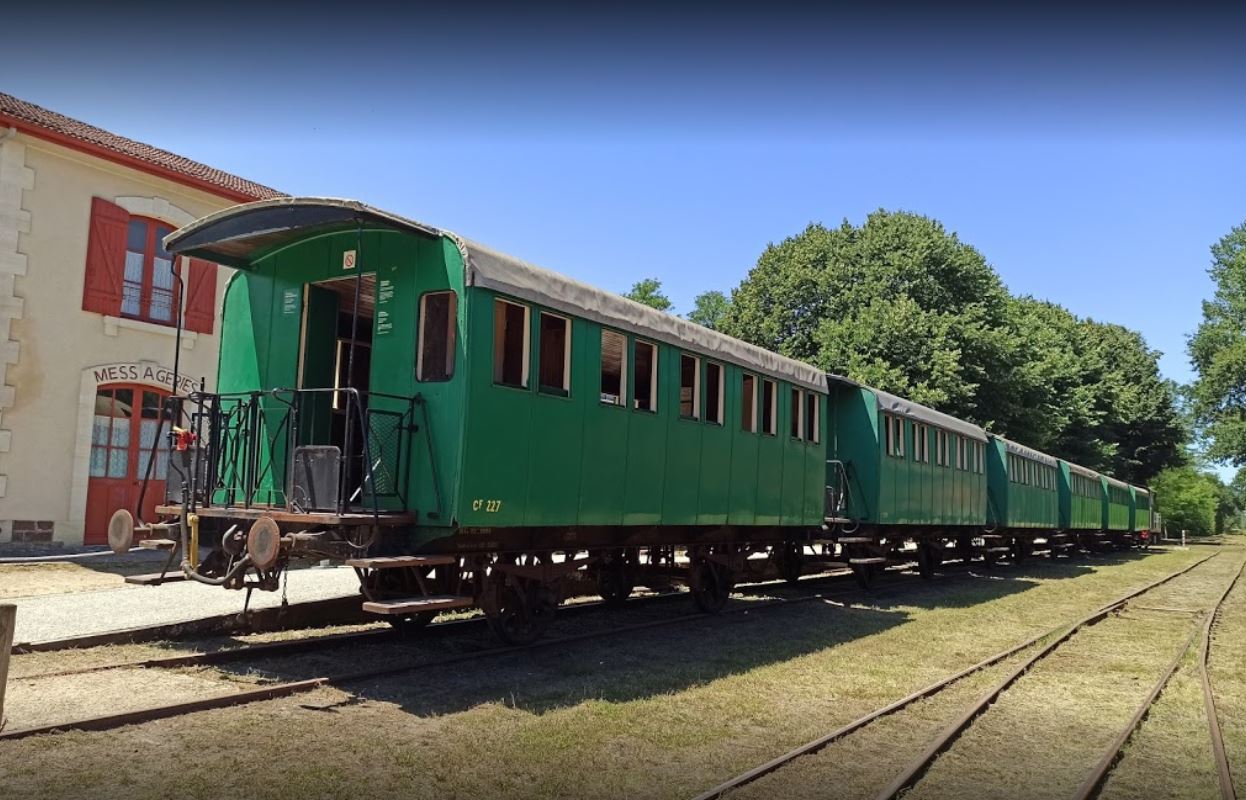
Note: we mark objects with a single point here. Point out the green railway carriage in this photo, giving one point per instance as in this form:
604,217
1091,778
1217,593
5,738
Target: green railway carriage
897,463
1139,509
1116,504
1022,487
1081,498
466,429
379,373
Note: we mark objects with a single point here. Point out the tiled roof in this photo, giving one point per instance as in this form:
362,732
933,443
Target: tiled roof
24,115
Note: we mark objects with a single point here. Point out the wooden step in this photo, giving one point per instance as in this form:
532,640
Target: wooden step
157,544
875,560
998,549
416,605
155,578
855,540
395,562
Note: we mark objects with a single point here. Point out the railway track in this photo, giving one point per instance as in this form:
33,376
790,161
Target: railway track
298,646
913,772
105,722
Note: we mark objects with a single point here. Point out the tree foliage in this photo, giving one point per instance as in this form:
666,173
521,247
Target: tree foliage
709,308
902,304
649,292
1193,501
1218,353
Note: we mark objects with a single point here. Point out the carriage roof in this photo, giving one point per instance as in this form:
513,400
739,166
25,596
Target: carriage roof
239,236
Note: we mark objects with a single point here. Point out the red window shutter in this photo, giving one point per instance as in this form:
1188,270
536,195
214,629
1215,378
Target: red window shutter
105,270
200,296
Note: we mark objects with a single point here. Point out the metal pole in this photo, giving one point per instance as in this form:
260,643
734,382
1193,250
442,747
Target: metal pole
8,624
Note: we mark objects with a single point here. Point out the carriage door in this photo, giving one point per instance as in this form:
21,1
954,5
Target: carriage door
124,429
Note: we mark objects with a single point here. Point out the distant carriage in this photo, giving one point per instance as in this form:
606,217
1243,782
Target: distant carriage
468,430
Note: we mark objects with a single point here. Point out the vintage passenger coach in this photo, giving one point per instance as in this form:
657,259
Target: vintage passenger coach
468,430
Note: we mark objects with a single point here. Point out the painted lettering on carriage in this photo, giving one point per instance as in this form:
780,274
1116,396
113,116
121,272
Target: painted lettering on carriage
140,372
290,301
488,506
383,323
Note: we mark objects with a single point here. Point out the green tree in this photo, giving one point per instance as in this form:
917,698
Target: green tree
649,292
709,308
1218,353
898,303
1191,501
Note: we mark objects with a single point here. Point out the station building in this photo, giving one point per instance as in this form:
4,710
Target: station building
89,302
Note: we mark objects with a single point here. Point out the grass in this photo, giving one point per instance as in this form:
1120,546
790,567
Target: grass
59,577
662,713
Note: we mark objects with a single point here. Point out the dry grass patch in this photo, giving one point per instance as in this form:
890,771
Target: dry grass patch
64,577
661,713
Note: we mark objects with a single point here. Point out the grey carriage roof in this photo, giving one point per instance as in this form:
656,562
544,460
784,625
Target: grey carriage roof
232,236
893,404
1089,473
1026,452
1116,482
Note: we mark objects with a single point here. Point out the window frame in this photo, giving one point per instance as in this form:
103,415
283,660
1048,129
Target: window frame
769,422
813,422
722,393
526,365
146,285
568,326
796,427
696,387
451,337
653,375
623,369
751,380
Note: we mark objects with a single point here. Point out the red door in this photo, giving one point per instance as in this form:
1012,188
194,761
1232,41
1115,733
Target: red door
126,419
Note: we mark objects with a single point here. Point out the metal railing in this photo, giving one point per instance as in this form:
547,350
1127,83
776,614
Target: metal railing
246,444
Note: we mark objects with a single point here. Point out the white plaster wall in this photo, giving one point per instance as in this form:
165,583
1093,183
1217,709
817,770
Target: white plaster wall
51,342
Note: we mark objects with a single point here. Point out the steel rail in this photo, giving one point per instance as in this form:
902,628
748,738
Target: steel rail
110,721
1095,781
448,627
819,743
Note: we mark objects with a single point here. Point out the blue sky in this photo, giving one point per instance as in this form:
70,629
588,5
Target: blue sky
1092,159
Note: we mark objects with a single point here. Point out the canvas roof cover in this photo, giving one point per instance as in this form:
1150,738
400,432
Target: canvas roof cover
893,404
239,235
1026,452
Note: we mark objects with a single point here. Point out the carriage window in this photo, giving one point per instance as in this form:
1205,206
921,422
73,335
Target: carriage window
435,357
748,403
510,344
645,378
769,408
689,387
921,443
941,447
714,393
554,355
795,423
812,433
613,367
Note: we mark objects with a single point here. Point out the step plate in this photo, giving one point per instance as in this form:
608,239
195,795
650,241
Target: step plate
396,562
157,544
416,605
155,578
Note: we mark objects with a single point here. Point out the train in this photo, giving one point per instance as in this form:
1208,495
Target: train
470,431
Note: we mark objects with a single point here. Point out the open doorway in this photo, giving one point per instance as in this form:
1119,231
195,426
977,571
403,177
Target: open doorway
336,354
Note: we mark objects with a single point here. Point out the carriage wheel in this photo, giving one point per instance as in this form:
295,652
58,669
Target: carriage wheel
865,574
710,583
614,580
928,559
523,613
789,558
1021,550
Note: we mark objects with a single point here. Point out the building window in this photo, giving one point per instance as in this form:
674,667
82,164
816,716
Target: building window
812,427
554,355
510,344
149,287
748,403
645,378
714,393
689,387
435,357
769,407
110,433
613,367
796,422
